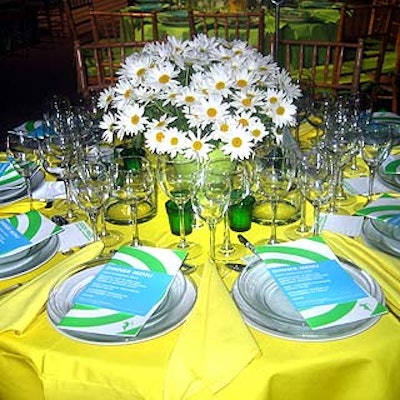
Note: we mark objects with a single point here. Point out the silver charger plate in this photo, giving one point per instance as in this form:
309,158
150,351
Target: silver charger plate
376,239
266,308
13,195
38,255
171,313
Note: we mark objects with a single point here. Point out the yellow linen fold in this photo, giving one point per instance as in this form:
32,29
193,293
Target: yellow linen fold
214,345
306,132
20,207
20,307
384,268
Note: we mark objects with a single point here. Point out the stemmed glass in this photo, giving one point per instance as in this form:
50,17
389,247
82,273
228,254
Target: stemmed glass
134,182
211,196
23,154
319,114
375,142
315,180
176,176
90,183
238,174
275,174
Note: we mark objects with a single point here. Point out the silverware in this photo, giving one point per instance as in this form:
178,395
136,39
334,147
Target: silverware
250,246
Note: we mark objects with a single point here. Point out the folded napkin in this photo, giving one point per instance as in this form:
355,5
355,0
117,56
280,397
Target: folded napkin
20,307
49,190
20,207
213,346
384,268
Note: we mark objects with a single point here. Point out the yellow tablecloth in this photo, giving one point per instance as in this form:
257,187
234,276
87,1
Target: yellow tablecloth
40,363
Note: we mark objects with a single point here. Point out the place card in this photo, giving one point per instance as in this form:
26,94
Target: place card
385,208
76,234
125,293
317,285
23,231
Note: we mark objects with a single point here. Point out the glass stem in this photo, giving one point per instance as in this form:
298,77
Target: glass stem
371,183
135,230
274,207
93,214
226,246
182,233
211,227
316,227
302,228
102,215
29,192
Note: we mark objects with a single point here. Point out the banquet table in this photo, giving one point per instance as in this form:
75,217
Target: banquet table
213,354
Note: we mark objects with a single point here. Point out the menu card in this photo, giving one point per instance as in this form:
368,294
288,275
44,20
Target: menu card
125,293
317,285
385,208
23,231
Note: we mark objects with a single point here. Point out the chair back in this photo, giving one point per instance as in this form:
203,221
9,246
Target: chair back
78,16
247,26
331,66
124,26
97,63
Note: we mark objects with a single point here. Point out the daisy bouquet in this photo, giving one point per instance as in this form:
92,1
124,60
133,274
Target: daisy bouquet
190,97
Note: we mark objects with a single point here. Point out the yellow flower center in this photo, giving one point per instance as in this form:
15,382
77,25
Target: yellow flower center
135,119
237,142
197,145
246,102
243,122
160,137
280,110
189,99
160,124
128,93
220,85
164,79
174,141
256,132
273,100
224,128
109,99
140,72
212,112
241,83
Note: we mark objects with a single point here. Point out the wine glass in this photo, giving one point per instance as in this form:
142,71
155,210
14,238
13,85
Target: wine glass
134,182
315,180
23,154
91,185
211,196
375,142
238,174
275,174
318,115
176,176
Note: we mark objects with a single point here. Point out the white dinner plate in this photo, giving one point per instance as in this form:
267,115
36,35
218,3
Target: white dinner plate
376,239
40,254
170,314
11,196
265,307
390,180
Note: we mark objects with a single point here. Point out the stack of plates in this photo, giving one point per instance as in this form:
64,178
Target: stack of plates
171,313
390,179
265,307
381,235
11,192
20,262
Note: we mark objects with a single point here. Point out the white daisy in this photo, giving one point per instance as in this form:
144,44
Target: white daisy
105,98
239,145
284,113
211,110
198,146
108,123
155,140
162,76
176,141
132,119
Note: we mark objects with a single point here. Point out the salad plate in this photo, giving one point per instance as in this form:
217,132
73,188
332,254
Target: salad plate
171,313
265,307
374,238
36,257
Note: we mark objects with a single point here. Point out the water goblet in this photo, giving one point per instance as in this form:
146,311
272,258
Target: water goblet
238,174
133,183
318,115
90,183
275,174
211,195
176,176
23,154
375,142
315,180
